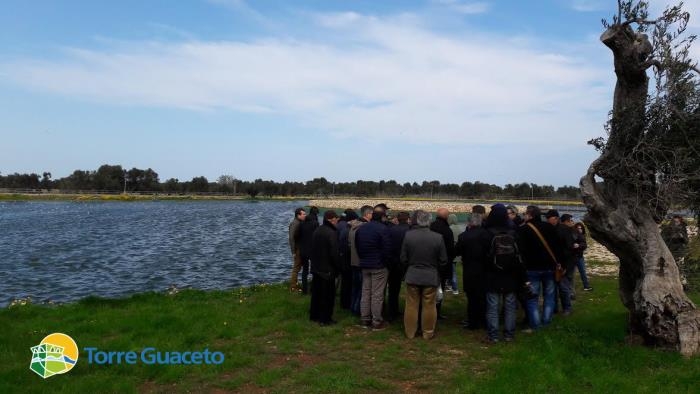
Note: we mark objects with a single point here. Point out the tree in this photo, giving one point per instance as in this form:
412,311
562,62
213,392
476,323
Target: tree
199,184
648,163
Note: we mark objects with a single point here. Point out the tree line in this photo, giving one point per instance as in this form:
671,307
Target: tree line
114,178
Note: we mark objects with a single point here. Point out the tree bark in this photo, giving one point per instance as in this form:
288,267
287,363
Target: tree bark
650,286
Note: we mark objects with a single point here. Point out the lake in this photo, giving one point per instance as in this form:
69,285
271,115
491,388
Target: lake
65,251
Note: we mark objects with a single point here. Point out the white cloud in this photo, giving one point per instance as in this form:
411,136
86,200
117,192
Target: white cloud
464,7
589,5
396,81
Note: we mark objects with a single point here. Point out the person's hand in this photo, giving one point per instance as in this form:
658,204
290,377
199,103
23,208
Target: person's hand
576,246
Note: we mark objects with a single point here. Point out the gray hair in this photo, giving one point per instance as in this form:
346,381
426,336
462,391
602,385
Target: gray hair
475,220
366,210
422,218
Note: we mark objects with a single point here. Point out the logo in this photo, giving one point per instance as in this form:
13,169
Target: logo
56,354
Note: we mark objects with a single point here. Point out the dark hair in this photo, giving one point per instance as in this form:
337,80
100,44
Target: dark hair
581,226
313,210
298,211
534,212
402,217
479,209
566,217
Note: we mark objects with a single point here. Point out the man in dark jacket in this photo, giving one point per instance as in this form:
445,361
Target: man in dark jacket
373,248
473,246
325,266
344,249
505,274
295,246
306,232
423,253
396,235
539,263
567,241
442,227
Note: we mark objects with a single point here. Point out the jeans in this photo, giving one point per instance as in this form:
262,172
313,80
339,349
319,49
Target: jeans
492,314
356,290
581,264
541,280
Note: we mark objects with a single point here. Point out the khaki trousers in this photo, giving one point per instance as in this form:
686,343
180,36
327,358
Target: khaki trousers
414,296
295,270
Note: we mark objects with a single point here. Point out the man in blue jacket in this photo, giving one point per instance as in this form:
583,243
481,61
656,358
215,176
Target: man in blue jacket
373,248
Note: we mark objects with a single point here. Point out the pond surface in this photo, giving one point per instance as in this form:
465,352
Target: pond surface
65,251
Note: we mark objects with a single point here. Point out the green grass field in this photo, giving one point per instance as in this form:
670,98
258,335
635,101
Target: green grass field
270,346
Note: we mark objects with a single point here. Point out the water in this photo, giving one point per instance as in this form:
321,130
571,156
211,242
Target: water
65,251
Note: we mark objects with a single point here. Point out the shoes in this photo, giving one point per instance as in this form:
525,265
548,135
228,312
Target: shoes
566,313
508,339
455,292
327,323
488,340
448,288
365,325
379,327
528,331
588,289
441,317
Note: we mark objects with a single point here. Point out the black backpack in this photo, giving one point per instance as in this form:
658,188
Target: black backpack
504,252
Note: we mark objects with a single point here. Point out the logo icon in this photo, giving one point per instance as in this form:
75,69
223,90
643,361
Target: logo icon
56,354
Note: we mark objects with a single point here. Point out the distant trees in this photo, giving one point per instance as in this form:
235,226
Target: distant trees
111,178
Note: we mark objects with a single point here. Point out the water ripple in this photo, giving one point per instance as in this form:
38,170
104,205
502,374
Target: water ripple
64,251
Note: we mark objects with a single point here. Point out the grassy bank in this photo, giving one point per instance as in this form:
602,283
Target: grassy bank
271,346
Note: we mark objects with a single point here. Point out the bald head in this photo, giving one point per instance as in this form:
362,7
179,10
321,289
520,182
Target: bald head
443,213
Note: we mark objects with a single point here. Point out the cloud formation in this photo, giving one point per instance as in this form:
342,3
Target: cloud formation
387,79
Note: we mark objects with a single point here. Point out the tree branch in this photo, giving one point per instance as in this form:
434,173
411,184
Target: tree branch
652,62
640,21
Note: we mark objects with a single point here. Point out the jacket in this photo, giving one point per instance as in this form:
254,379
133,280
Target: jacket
567,239
441,227
294,227
533,252
423,253
306,233
373,245
325,259
354,257
397,234
473,245
507,279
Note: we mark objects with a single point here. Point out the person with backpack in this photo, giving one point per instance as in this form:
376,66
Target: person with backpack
504,274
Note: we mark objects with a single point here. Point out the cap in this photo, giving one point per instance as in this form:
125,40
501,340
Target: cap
382,206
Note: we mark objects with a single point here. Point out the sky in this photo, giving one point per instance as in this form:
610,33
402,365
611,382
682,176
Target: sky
450,90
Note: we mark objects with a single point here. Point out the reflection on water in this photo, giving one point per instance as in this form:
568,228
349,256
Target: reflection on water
67,250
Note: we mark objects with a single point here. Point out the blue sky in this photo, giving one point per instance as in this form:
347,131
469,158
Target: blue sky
453,90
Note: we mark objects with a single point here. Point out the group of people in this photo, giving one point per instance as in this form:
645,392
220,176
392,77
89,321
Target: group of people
507,259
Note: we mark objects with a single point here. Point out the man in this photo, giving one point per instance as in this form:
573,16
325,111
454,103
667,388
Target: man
567,240
422,253
397,233
514,219
373,248
325,266
343,228
356,297
442,227
505,274
295,246
540,262
306,233
473,246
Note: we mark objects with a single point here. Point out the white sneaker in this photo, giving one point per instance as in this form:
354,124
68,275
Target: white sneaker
455,292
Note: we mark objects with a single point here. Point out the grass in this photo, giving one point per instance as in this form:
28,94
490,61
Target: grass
270,346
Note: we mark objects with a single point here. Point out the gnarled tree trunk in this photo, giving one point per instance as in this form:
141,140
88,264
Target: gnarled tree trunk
650,285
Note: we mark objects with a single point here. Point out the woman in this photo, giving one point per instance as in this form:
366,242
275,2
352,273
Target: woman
580,235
